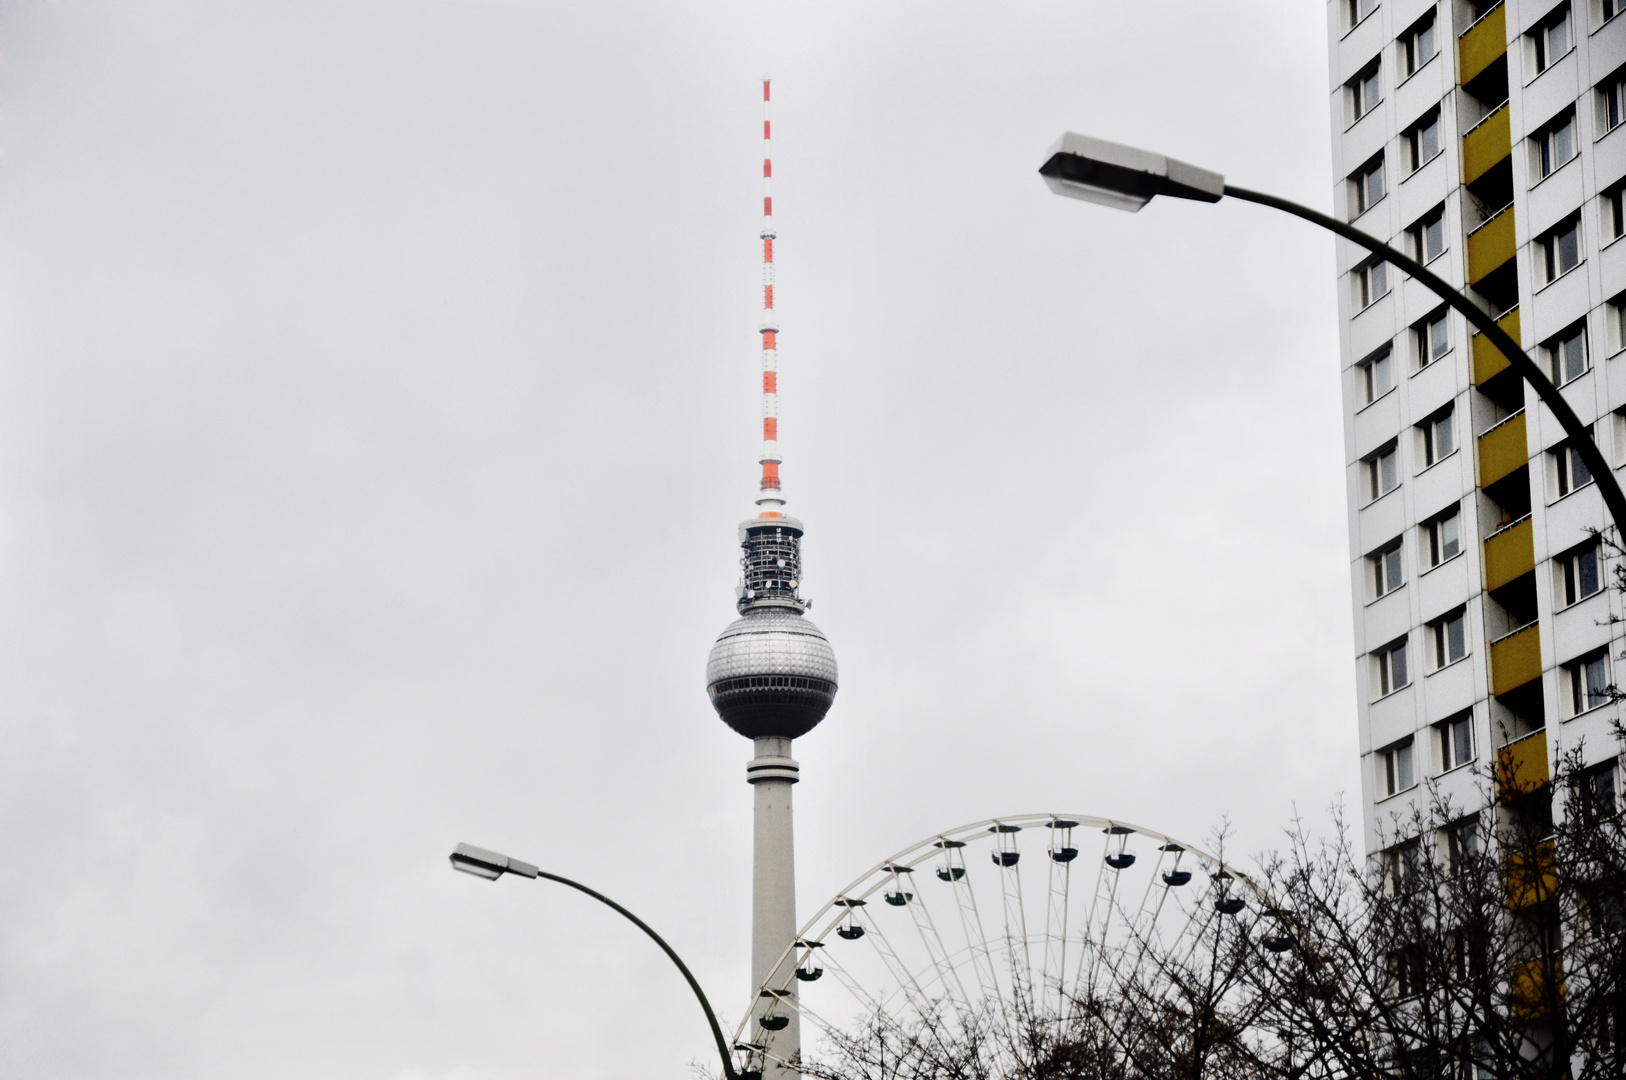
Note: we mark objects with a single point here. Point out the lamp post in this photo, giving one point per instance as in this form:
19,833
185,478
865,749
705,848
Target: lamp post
491,866
1127,178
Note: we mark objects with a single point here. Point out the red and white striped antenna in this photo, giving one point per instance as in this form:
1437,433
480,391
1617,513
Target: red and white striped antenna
769,498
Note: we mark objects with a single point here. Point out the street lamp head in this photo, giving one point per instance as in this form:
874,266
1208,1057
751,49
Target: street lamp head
1123,177
488,864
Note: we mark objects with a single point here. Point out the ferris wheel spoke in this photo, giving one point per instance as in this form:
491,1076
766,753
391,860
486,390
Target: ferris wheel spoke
948,976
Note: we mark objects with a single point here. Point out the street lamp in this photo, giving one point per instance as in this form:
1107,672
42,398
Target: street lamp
1127,178
491,866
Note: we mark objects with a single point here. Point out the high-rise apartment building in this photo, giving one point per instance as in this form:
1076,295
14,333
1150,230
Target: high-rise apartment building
1488,141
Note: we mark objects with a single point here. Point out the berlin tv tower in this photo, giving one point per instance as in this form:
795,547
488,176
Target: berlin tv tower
772,674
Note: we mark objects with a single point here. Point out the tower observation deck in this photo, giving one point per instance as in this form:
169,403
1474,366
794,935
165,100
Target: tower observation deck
771,675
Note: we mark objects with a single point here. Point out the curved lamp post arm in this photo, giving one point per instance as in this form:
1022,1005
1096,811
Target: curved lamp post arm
1127,178
1527,368
490,865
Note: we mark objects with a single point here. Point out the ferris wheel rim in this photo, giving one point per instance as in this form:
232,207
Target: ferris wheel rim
931,846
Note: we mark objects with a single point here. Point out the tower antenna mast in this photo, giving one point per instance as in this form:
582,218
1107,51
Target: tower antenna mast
770,498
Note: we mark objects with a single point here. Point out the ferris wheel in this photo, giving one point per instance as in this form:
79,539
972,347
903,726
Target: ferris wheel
995,939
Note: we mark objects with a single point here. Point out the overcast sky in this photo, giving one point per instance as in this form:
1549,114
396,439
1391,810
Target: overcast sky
378,400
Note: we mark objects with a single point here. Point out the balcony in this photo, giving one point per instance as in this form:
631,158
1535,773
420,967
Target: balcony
1488,359
1482,44
1531,877
1491,245
1486,143
1510,553
1514,661
1530,986
1503,450
1521,765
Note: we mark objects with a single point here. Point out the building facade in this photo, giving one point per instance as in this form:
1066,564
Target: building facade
1489,142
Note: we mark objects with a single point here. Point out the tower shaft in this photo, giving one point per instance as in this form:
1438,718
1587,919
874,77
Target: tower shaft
771,774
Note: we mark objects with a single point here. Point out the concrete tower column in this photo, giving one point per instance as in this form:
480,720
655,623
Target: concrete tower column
773,887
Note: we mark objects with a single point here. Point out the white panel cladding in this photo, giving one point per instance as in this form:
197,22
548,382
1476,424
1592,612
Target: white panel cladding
1376,325
1551,92
1394,717
1443,484
1615,384
1568,520
1426,90
1556,306
1611,268
1554,198
1449,689
1357,46
1376,423
1369,135
1382,519
1388,618
1448,584
1436,384
1608,157
1581,627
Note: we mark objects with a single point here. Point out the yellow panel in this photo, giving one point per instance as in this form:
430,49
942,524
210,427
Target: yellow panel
1527,986
1490,246
1489,142
1509,554
1522,766
1531,876
1488,359
1516,660
1481,44
1502,450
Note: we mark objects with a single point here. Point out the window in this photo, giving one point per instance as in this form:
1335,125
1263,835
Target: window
1382,472
1612,102
1418,45
1407,970
1423,141
1552,39
1555,145
1433,339
1615,323
1404,863
1456,737
1389,667
1371,284
1438,435
1444,537
1427,237
1366,186
1587,681
1612,212
1377,376
1597,793
1387,574
1567,354
1356,10
1561,250
1461,839
1449,639
1570,471
1608,10
1577,574
1364,92
1395,768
